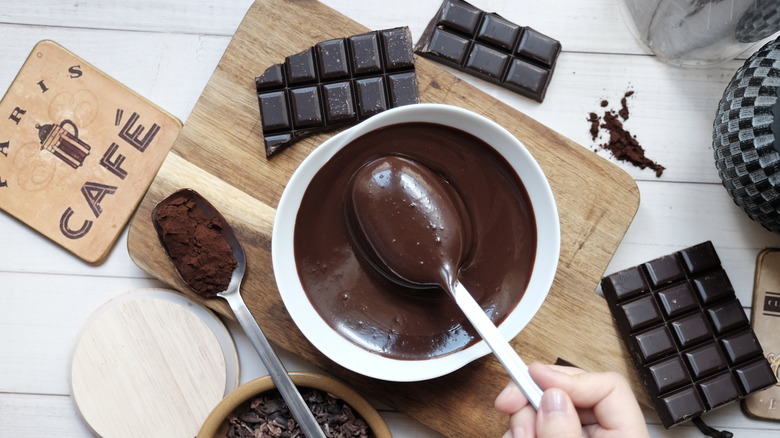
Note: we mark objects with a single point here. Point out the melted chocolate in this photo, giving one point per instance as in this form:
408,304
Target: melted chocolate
387,318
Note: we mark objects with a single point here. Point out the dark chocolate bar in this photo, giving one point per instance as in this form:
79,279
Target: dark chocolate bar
490,47
687,333
335,83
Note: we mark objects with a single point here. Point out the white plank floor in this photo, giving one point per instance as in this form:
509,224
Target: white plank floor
166,50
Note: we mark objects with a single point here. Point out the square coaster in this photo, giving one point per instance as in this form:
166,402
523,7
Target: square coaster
765,318
77,150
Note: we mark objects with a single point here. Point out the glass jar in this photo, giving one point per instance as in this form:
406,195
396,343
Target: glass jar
700,33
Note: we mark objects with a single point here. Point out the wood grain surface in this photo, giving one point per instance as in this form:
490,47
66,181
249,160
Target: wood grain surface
148,366
220,154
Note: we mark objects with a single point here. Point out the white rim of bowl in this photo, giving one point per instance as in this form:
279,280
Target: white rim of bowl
348,354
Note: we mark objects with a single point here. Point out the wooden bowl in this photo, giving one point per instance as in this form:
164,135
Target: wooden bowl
216,424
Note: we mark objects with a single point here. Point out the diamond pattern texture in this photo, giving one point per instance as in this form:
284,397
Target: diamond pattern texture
759,22
746,154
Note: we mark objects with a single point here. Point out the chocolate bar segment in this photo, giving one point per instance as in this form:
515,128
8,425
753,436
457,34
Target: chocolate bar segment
720,389
753,376
335,83
490,47
680,405
687,333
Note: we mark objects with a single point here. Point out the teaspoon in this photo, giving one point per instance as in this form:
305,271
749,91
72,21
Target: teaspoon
232,294
412,227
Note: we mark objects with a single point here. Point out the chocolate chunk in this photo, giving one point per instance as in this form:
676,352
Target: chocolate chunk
741,346
300,68
687,333
664,270
677,299
713,286
338,102
490,47
654,343
705,360
332,59
267,415
334,84
691,330
395,49
626,284
720,390
639,313
753,376
680,406
668,374
305,106
371,97
727,316
403,89
365,53
700,258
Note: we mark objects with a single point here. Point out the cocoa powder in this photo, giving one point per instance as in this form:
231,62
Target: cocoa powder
624,105
620,142
595,121
195,244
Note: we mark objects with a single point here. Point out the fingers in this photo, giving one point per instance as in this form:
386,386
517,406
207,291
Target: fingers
572,399
572,371
585,389
605,398
557,417
521,424
510,400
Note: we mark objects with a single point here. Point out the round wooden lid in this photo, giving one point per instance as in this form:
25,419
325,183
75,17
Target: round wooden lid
152,363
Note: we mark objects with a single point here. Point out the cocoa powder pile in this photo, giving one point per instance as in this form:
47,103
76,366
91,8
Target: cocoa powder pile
195,244
620,142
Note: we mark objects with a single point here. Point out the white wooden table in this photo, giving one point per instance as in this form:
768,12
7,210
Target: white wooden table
166,50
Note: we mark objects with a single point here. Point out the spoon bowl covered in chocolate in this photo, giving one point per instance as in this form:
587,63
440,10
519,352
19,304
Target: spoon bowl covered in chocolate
411,226
198,239
408,223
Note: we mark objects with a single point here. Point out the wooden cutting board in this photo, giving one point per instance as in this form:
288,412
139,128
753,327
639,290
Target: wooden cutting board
220,154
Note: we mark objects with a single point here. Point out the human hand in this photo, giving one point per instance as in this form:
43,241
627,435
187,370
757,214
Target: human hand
575,404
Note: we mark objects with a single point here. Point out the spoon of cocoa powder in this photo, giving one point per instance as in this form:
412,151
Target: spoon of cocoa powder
412,227
211,261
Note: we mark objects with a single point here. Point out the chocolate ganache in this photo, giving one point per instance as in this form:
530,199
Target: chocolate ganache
380,315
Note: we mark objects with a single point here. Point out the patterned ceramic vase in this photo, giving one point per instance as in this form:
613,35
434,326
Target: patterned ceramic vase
745,137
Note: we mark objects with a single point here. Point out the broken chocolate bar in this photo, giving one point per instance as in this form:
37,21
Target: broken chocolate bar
490,47
334,84
687,333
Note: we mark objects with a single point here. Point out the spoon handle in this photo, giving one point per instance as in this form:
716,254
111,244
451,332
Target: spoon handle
276,369
508,357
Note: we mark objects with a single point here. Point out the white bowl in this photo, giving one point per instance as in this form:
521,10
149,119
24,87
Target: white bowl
351,356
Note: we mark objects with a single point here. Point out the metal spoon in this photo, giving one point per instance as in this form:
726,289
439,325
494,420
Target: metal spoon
412,227
300,411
